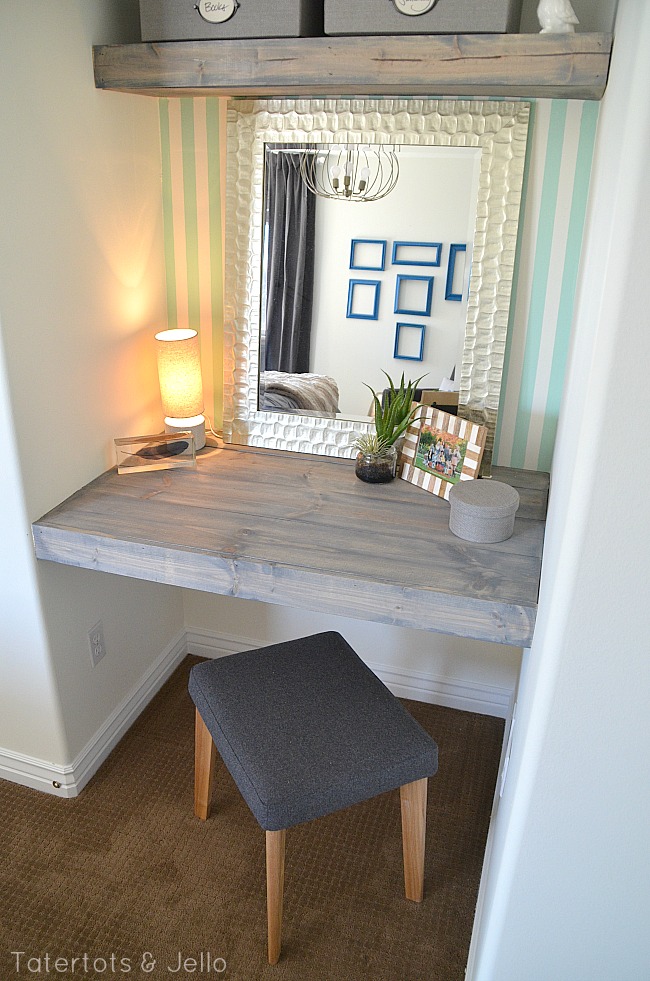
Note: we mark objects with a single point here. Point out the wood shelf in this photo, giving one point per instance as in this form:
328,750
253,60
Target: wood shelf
560,66
310,536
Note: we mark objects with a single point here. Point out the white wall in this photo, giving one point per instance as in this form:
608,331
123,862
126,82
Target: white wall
81,284
450,671
434,201
30,716
569,881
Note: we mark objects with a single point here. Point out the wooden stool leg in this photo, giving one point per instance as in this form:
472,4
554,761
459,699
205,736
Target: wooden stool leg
414,828
205,755
274,891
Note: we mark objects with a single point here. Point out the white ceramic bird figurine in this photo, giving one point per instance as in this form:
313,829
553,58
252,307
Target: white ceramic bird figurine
556,17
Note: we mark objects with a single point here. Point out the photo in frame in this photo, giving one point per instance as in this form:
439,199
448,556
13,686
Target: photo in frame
440,450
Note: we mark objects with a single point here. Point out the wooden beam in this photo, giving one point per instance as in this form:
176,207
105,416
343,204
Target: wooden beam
571,66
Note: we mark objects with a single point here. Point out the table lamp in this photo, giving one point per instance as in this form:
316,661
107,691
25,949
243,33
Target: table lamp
181,387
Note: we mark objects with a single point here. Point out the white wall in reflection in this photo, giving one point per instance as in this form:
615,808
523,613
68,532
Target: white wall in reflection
434,201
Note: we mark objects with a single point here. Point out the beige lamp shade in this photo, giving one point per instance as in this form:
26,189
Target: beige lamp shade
179,373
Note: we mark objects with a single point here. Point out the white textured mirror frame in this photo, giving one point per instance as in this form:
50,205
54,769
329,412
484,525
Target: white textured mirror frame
500,129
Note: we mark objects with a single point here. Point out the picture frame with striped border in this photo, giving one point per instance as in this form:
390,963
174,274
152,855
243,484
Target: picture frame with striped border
440,450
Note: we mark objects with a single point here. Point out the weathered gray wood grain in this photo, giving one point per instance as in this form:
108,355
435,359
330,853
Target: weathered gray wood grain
317,510
303,531
418,560
386,602
476,65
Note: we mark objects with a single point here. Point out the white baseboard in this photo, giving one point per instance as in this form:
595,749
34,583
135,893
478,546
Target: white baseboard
453,693
205,643
37,774
468,696
70,779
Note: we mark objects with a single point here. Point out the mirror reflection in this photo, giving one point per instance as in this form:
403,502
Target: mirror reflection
352,288
362,317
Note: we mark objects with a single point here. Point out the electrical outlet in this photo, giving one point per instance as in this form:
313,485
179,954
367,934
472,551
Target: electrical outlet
97,643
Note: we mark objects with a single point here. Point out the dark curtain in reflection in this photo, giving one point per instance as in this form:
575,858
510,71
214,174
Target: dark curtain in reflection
290,214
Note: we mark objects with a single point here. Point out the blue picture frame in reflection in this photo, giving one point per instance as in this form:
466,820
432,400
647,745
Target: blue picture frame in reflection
368,254
363,299
408,345
413,295
417,253
454,251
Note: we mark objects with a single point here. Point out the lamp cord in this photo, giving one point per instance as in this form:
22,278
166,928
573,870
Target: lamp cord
208,426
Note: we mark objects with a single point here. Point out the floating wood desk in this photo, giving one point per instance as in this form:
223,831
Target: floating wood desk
303,531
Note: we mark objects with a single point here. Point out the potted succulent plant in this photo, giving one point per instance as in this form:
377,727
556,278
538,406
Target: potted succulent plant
376,461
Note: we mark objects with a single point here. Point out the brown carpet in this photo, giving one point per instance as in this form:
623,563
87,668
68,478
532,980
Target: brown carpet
126,868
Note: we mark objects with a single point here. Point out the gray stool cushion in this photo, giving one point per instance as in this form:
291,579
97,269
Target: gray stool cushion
305,728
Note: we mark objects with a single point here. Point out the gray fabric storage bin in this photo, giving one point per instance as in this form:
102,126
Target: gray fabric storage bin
483,510
180,20
447,17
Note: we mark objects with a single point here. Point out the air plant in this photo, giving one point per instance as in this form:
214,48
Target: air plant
370,444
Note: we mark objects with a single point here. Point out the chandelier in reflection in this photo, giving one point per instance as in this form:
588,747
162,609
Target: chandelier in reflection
350,173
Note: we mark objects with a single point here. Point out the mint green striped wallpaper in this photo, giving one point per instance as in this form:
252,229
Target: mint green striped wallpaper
191,196
554,205
558,168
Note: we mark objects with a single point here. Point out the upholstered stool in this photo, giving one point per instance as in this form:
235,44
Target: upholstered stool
305,728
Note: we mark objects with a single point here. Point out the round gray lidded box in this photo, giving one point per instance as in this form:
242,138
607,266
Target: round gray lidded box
483,510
